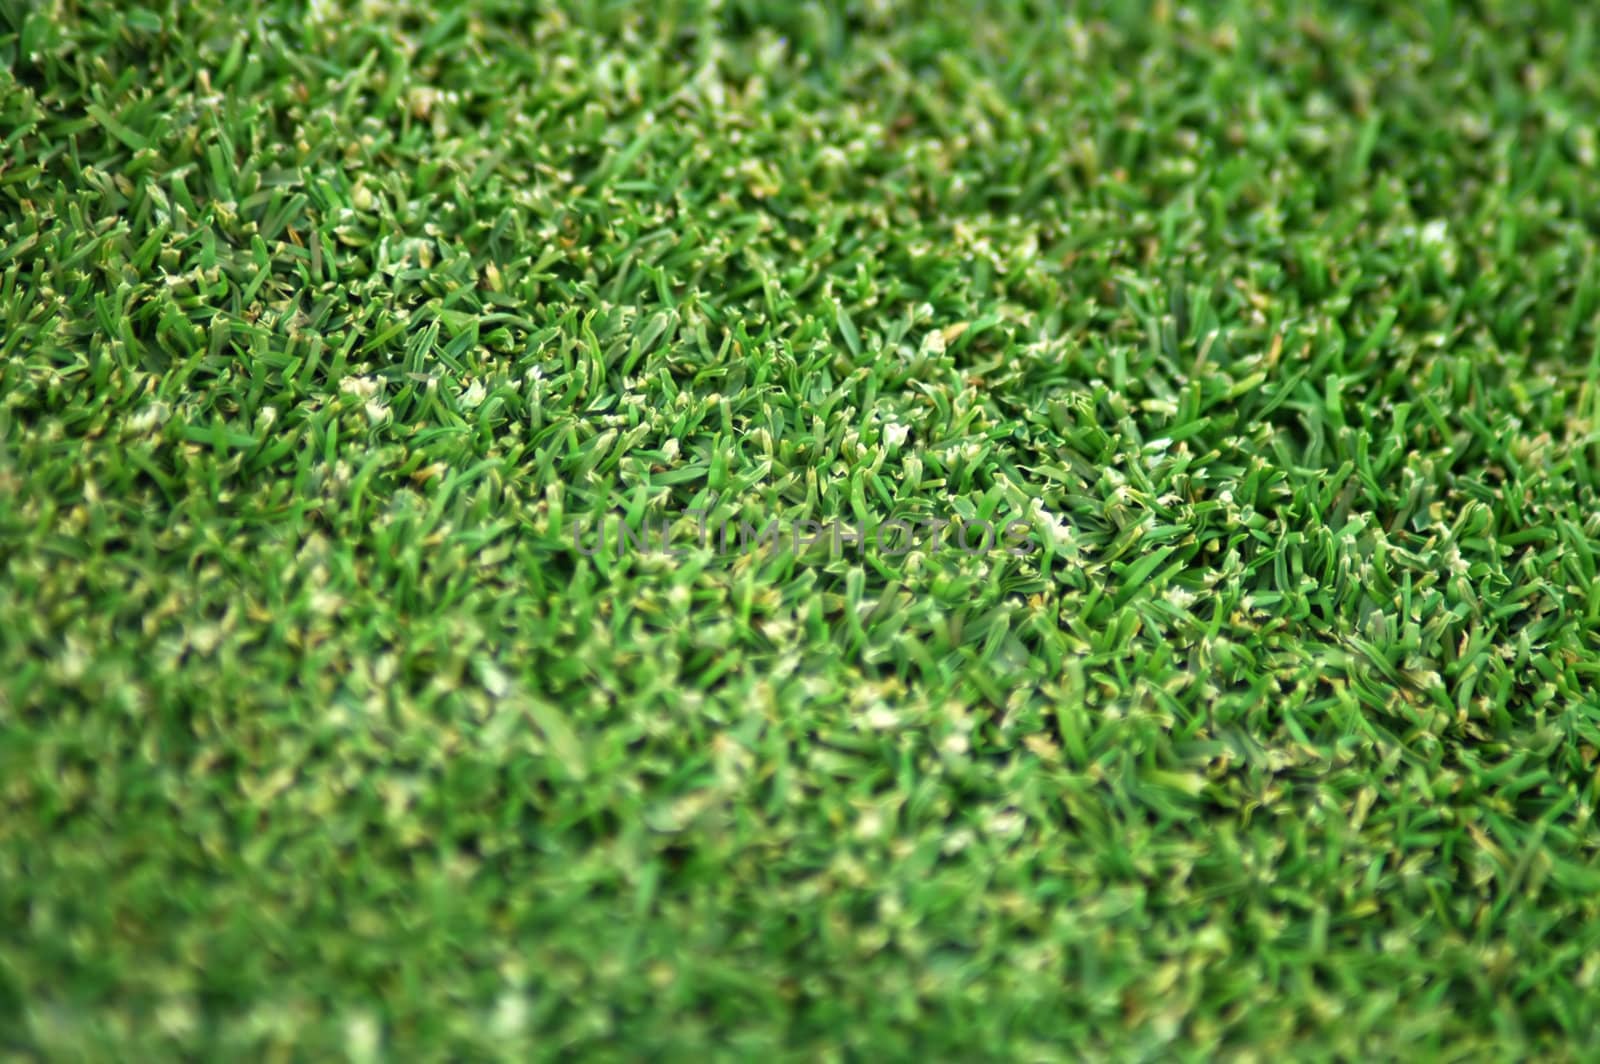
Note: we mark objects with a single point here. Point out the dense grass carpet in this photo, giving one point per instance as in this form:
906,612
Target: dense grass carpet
885,531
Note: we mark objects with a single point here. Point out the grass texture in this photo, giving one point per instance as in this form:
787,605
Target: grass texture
323,325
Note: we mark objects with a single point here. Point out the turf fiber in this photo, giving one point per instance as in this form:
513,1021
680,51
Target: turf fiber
333,335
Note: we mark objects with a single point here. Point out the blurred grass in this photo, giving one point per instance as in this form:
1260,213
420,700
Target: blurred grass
322,325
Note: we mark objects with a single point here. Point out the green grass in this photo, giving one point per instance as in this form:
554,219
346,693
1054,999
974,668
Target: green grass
322,326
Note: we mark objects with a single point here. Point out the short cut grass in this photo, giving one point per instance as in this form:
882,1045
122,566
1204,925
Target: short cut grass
322,325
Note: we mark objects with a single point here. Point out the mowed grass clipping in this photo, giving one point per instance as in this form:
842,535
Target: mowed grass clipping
322,325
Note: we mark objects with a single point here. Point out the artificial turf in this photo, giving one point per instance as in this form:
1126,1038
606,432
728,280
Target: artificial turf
332,333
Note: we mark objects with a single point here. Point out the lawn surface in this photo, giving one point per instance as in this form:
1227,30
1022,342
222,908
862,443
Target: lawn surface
325,329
